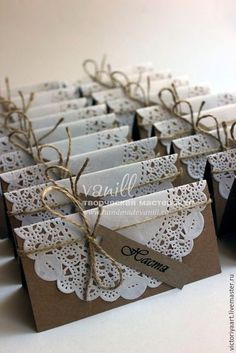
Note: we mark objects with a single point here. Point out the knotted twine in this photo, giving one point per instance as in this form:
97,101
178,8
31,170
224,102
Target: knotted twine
24,138
10,107
227,147
97,73
88,233
196,128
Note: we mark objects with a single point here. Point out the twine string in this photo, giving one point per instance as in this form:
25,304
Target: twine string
232,128
117,82
88,234
10,107
176,112
223,146
74,185
136,92
196,128
96,72
174,95
24,138
7,83
26,105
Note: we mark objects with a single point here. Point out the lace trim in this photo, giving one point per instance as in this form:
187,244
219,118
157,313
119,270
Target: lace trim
135,180
99,140
23,177
223,166
199,145
172,235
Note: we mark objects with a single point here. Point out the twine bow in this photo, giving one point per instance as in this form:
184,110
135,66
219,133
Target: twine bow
10,107
195,122
140,95
174,95
97,73
88,232
177,108
224,145
125,77
24,138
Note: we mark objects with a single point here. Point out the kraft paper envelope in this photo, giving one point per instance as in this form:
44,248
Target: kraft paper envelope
147,116
79,144
193,152
37,87
87,89
82,144
178,81
226,229
125,108
172,128
44,98
60,107
225,113
103,96
114,93
174,223
220,173
175,128
53,119
24,206
77,128
69,116
99,159
212,100
168,130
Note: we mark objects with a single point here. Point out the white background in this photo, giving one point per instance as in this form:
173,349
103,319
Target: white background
48,39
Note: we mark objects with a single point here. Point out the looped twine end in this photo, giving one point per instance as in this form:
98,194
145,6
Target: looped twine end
97,73
88,235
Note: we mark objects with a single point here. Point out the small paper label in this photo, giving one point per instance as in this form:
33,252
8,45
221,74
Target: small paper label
143,259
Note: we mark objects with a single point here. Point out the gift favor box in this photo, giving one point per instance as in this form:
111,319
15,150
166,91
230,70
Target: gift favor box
82,264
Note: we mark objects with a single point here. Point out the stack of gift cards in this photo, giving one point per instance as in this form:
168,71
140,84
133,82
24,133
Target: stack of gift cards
108,184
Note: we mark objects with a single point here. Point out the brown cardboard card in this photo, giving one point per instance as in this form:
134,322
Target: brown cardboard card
36,87
104,81
147,116
125,109
82,144
168,130
68,116
47,97
104,158
123,79
176,223
226,229
193,152
58,107
59,131
221,172
13,158
24,206
225,113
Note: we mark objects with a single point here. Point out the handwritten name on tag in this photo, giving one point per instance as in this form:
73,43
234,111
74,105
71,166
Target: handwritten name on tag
140,255
143,259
